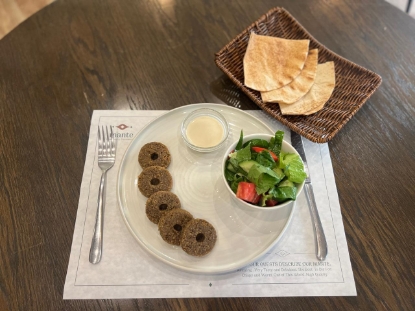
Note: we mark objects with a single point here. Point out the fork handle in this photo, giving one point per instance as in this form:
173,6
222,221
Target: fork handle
321,243
95,252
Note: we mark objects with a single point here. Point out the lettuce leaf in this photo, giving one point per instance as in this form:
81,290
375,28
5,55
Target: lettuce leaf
294,168
264,158
230,176
235,164
263,177
276,143
242,154
240,141
281,163
256,142
282,194
234,184
265,183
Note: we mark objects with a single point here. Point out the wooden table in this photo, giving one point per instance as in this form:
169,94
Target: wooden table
77,56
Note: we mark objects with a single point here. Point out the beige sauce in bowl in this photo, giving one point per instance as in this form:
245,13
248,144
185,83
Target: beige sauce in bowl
205,132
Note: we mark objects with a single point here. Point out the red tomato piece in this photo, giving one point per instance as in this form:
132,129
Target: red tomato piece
246,191
259,149
271,202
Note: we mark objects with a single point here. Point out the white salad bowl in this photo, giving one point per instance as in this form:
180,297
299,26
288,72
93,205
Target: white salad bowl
286,147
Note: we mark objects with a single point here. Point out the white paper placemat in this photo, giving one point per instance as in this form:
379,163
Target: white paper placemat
128,271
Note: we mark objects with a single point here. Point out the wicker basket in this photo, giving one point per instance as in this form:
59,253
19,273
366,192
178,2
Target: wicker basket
354,84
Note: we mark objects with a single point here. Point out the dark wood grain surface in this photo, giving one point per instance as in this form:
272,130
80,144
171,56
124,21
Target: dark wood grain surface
77,56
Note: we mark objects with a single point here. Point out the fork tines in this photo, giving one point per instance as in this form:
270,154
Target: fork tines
106,142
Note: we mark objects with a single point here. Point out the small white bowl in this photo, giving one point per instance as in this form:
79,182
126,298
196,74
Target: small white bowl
205,112
286,147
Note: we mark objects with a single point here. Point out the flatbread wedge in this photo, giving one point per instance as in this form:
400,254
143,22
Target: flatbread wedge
293,91
318,95
271,62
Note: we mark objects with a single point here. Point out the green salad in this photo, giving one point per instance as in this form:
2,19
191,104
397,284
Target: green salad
261,174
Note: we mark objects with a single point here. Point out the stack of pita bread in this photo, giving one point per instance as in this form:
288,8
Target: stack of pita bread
287,72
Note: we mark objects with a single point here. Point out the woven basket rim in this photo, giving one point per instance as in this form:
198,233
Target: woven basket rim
311,136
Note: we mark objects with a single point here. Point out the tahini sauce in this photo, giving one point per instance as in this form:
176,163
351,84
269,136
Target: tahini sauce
204,132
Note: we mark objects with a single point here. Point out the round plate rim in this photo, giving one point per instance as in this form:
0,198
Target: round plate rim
142,244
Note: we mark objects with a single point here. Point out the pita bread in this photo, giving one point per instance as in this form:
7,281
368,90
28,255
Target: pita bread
318,95
293,91
271,63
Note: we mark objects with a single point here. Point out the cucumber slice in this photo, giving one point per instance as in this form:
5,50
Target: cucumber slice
230,168
246,165
286,183
279,172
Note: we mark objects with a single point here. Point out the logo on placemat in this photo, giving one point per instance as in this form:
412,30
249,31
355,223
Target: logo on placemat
122,126
124,135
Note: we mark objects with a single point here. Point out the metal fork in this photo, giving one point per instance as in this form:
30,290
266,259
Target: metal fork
106,159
